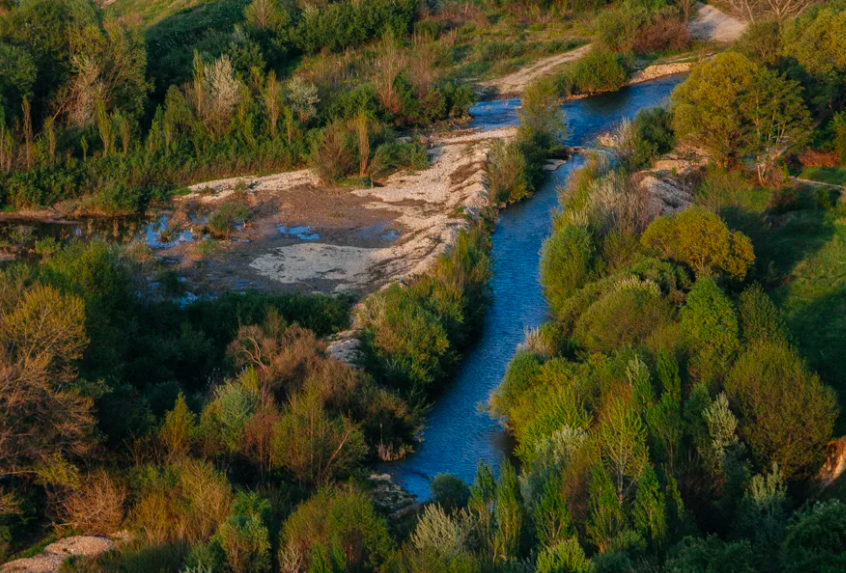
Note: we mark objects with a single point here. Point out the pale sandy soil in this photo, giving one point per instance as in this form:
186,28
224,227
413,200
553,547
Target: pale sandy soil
710,24
515,83
422,213
55,553
713,25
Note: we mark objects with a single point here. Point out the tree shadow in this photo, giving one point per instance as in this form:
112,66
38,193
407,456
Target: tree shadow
172,41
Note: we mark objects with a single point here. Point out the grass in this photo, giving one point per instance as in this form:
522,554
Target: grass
830,175
801,260
149,12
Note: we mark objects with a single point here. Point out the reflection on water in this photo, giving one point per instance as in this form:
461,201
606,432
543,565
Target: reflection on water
300,232
458,435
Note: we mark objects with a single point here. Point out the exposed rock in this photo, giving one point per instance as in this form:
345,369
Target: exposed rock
56,553
659,71
345,346
835,463
390,497
669,194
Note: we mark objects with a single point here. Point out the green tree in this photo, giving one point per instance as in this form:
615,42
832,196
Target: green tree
709,329
566,263
566,556
701,240
708,107
786,413
816,540
712,555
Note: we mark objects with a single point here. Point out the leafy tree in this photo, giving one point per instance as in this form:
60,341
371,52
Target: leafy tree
566,556
313,445
509,514
449,492
566,263
621,436
244,536
708,109
702,240
710,330
786,413
178,430
649,513
760,319
334,521
712,555
816,540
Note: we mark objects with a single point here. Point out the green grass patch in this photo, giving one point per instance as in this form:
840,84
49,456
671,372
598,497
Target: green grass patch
830,175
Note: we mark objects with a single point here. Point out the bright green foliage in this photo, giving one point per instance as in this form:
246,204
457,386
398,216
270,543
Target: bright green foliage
522,375
600,70
566,263
621,436
550,514
649,513
178,429
710,330
731,106
440,533
786,413
708,108
566,556
701,240
626,315
816,541
760,319
606,519
244,535
509,515
335,524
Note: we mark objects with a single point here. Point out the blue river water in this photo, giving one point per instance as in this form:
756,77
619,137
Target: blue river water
458,434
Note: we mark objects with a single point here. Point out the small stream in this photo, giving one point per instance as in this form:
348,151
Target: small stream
458,435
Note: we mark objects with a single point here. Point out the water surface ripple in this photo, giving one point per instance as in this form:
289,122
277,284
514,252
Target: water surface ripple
458,435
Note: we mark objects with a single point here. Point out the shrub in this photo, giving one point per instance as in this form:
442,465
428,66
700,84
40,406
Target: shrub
244,535
600,70
333,153
394,155
760,319
225,217
815,540
522,375
701,240
710,330
313,445
567,258
662,35
506,173
97,507
339,521
440,533
712,555
625,316
450,492
652,135
786,414
620,26
408,342
564,557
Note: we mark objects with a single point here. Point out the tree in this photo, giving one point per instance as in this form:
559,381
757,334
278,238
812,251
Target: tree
621,436
707,107
313,445
778,117
709,328
701,240
786,413
712,555
566,263
178,430
339,521
816,541
566,556
47,416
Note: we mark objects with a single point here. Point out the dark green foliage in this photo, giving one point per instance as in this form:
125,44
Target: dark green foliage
816,539
391,156
712,555
348,24
450,492
600,70
653,135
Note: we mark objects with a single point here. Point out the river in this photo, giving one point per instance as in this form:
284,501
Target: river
458,434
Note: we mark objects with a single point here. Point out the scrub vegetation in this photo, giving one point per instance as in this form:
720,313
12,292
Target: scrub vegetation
671,416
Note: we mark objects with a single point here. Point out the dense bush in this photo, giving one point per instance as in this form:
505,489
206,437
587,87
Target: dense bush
600,70
566,263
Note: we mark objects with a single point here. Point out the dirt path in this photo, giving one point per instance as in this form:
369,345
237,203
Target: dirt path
713,25
515,83
710,24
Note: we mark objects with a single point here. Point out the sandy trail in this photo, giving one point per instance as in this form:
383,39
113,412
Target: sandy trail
710,24
515,83
713,25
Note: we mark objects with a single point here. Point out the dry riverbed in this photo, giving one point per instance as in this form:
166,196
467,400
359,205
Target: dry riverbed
307,236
